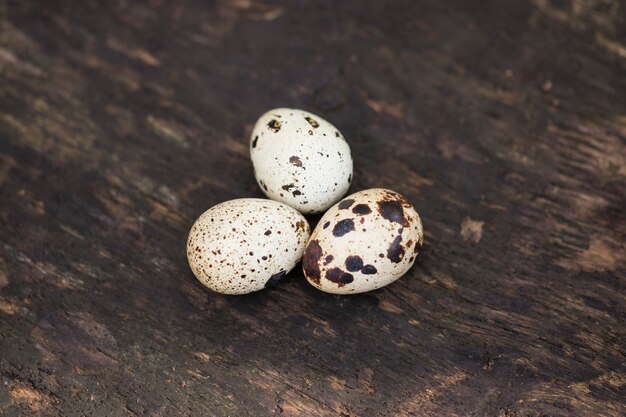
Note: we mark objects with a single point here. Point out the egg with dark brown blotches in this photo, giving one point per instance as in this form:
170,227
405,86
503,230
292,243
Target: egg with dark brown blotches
244,245
300,159
366,241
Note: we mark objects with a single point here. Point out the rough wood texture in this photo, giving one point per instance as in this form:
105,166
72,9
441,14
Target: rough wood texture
504,122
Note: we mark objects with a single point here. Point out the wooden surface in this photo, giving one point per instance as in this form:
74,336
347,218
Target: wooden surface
504,122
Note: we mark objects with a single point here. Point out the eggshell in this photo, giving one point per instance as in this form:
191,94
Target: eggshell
244,245
300,159
366,241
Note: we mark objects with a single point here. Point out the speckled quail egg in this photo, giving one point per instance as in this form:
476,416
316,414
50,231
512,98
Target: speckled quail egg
244,245
364,242
300,159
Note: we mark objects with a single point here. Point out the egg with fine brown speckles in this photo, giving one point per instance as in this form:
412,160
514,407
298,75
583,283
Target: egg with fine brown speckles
244,245
366,241
300,159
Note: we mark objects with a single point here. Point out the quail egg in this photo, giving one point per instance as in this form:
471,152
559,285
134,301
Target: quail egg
366,241
300,159
245,245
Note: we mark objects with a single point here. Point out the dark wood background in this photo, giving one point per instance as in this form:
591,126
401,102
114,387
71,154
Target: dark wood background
504,122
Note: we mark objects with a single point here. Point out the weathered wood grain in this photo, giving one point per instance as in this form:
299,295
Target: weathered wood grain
503,122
